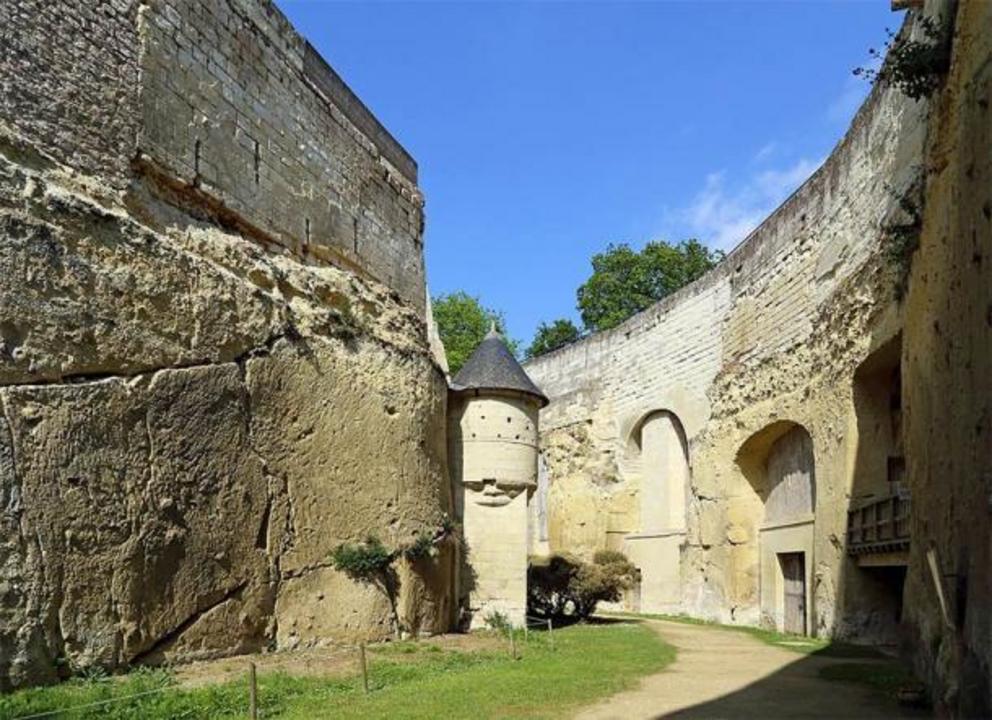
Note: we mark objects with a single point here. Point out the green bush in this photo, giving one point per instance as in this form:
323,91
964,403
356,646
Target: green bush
914,67
564,587
423,546
364,561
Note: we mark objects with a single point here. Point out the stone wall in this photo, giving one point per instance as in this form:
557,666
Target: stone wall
214,364
802,325
768,340
947,381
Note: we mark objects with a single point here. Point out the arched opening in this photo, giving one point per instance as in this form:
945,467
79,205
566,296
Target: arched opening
878,527
658,460
779,464
664,469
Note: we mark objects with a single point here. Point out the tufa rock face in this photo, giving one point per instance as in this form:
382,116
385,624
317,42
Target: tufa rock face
201,393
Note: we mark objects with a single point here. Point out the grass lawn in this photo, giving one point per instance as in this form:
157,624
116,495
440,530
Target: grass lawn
408,680
801,644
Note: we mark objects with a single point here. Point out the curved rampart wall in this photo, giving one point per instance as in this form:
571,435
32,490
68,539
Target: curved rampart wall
773,333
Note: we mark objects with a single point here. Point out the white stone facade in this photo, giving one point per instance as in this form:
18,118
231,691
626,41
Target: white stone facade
494,462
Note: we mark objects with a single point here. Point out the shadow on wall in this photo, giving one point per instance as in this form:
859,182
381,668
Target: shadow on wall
826,684
771,527
874,568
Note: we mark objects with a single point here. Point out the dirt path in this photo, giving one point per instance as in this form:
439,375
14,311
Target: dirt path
726,674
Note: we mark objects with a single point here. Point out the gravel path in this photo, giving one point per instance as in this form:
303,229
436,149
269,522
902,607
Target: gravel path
727,674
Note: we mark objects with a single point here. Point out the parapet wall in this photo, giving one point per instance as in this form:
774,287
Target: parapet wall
214,364
772,334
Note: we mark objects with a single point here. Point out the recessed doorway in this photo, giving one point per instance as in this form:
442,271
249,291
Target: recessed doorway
793,567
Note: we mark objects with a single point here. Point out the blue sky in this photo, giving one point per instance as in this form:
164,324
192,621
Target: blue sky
546,130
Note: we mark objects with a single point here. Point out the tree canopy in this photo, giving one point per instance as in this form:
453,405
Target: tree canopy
462,322
551,336
625,281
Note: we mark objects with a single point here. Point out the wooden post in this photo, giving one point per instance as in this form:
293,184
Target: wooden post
252,692
365,667
551,637
513,645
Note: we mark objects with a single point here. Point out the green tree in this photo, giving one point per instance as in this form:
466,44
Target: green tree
551,337
625,281
462,322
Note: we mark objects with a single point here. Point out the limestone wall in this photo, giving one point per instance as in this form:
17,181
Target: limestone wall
947,381
768,340
214,365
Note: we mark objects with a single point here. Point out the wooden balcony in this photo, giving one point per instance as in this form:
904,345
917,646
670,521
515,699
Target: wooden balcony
879,527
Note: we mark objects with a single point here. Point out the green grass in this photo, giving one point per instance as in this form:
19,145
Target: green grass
409,680
800,644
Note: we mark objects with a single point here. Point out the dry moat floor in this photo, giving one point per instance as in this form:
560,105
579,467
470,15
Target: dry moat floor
615,668
724,673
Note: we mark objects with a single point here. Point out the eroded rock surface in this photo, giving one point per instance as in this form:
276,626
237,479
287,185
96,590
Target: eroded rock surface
214,361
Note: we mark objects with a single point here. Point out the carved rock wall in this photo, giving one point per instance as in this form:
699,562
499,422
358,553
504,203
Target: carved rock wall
214,365
947,380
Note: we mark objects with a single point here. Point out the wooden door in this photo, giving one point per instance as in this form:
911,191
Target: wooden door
794,587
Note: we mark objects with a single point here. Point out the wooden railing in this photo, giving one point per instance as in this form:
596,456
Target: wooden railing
879,526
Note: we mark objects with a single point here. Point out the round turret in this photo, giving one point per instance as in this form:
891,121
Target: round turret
493,433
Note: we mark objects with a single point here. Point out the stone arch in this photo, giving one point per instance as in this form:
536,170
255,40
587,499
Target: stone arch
876,576
659,453
778,462
779,465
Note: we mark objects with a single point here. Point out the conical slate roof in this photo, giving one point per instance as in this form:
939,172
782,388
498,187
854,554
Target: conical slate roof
493,367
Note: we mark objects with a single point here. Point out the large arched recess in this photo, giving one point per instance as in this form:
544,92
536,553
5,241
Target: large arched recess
658,460
779,465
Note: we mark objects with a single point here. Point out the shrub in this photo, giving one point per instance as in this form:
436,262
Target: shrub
563,587
365,561
372,562
915,67
901,239
423,546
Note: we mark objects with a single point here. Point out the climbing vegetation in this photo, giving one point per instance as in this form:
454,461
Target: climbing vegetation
902,238
371,562
914,66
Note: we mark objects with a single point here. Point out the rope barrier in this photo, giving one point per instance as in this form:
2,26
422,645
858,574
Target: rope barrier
530,622
74,708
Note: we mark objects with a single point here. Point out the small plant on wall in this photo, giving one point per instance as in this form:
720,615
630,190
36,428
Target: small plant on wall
903,238
371,562
916,67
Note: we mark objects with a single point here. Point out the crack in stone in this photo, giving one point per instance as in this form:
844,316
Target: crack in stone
86,378
306,569
176,633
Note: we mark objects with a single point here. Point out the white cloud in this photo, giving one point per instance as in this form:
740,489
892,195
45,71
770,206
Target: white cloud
766,152
722,215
